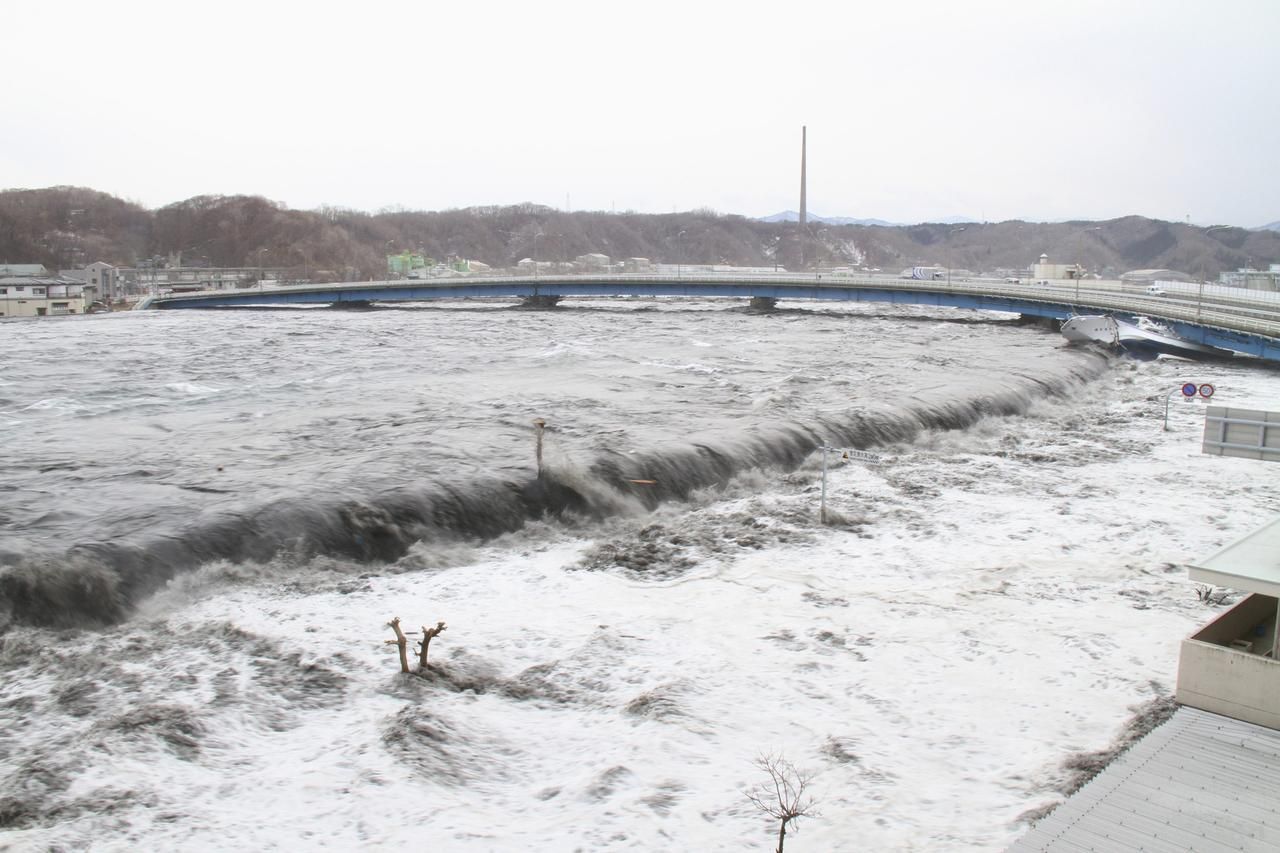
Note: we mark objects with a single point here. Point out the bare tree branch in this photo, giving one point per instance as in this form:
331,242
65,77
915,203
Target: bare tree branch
784,797
427,635
402,641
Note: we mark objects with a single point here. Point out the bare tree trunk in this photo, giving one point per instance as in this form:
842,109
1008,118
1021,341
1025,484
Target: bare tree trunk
402,641
782,835
427,634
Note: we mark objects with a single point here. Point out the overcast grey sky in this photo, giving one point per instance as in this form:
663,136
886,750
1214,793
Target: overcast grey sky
916,109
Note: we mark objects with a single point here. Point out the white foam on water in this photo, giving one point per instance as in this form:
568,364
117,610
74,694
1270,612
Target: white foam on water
993,600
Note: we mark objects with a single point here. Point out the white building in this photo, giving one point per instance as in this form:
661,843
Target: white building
1251,279
1230,666
35,296
1045,271
592,260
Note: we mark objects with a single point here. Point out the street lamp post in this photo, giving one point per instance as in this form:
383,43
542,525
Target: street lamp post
949,233
261,272
679,255
536,235
1200,293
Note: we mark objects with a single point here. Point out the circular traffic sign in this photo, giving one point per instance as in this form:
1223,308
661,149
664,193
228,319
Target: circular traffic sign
1189,389
1206,390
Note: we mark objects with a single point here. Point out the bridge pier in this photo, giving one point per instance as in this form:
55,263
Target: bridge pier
763,303
541,301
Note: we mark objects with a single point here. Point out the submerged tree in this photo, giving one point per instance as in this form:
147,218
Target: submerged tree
784,796
402,643
427,635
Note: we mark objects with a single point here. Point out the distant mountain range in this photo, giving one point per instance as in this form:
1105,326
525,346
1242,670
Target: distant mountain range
68,227
793,216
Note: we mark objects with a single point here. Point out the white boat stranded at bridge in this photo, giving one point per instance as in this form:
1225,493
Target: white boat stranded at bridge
1144,339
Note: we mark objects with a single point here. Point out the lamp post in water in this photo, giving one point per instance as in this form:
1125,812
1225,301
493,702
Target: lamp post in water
538,425
846,454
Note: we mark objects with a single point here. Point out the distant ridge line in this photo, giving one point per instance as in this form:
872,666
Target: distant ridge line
793,216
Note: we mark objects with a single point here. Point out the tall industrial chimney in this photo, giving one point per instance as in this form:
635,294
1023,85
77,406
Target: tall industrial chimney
804,212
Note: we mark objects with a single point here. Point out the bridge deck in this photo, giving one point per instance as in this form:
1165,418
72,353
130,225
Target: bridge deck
1243,321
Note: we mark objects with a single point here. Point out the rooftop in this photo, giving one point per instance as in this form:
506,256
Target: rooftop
1199,782
1251,564
32,281
22,270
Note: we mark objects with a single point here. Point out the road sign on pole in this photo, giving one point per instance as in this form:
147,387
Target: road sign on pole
1189,390
845,453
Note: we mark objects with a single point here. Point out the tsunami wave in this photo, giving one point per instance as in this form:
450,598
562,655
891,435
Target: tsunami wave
101,583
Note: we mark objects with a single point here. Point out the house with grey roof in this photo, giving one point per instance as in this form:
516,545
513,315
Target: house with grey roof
22,270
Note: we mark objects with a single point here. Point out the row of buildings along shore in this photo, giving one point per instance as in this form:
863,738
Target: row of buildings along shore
31,290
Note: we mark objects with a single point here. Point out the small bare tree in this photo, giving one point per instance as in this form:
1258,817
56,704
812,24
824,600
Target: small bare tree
784,796
402,643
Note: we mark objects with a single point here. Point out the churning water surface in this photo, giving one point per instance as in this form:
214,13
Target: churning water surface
206,519
151,443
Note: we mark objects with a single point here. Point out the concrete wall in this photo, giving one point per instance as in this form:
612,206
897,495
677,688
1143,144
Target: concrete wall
1216,677
1241,621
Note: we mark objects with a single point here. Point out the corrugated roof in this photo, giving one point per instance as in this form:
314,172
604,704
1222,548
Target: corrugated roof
1199,782
30,281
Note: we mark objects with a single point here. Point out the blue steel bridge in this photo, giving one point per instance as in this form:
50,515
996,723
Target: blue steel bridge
1243,321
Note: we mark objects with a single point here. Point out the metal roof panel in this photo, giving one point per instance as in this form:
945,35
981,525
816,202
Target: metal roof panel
1198,782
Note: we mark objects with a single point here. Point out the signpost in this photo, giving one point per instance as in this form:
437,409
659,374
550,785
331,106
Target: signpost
1189,391
845,453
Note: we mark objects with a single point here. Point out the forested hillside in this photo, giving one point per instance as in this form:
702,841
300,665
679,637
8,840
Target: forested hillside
63,227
